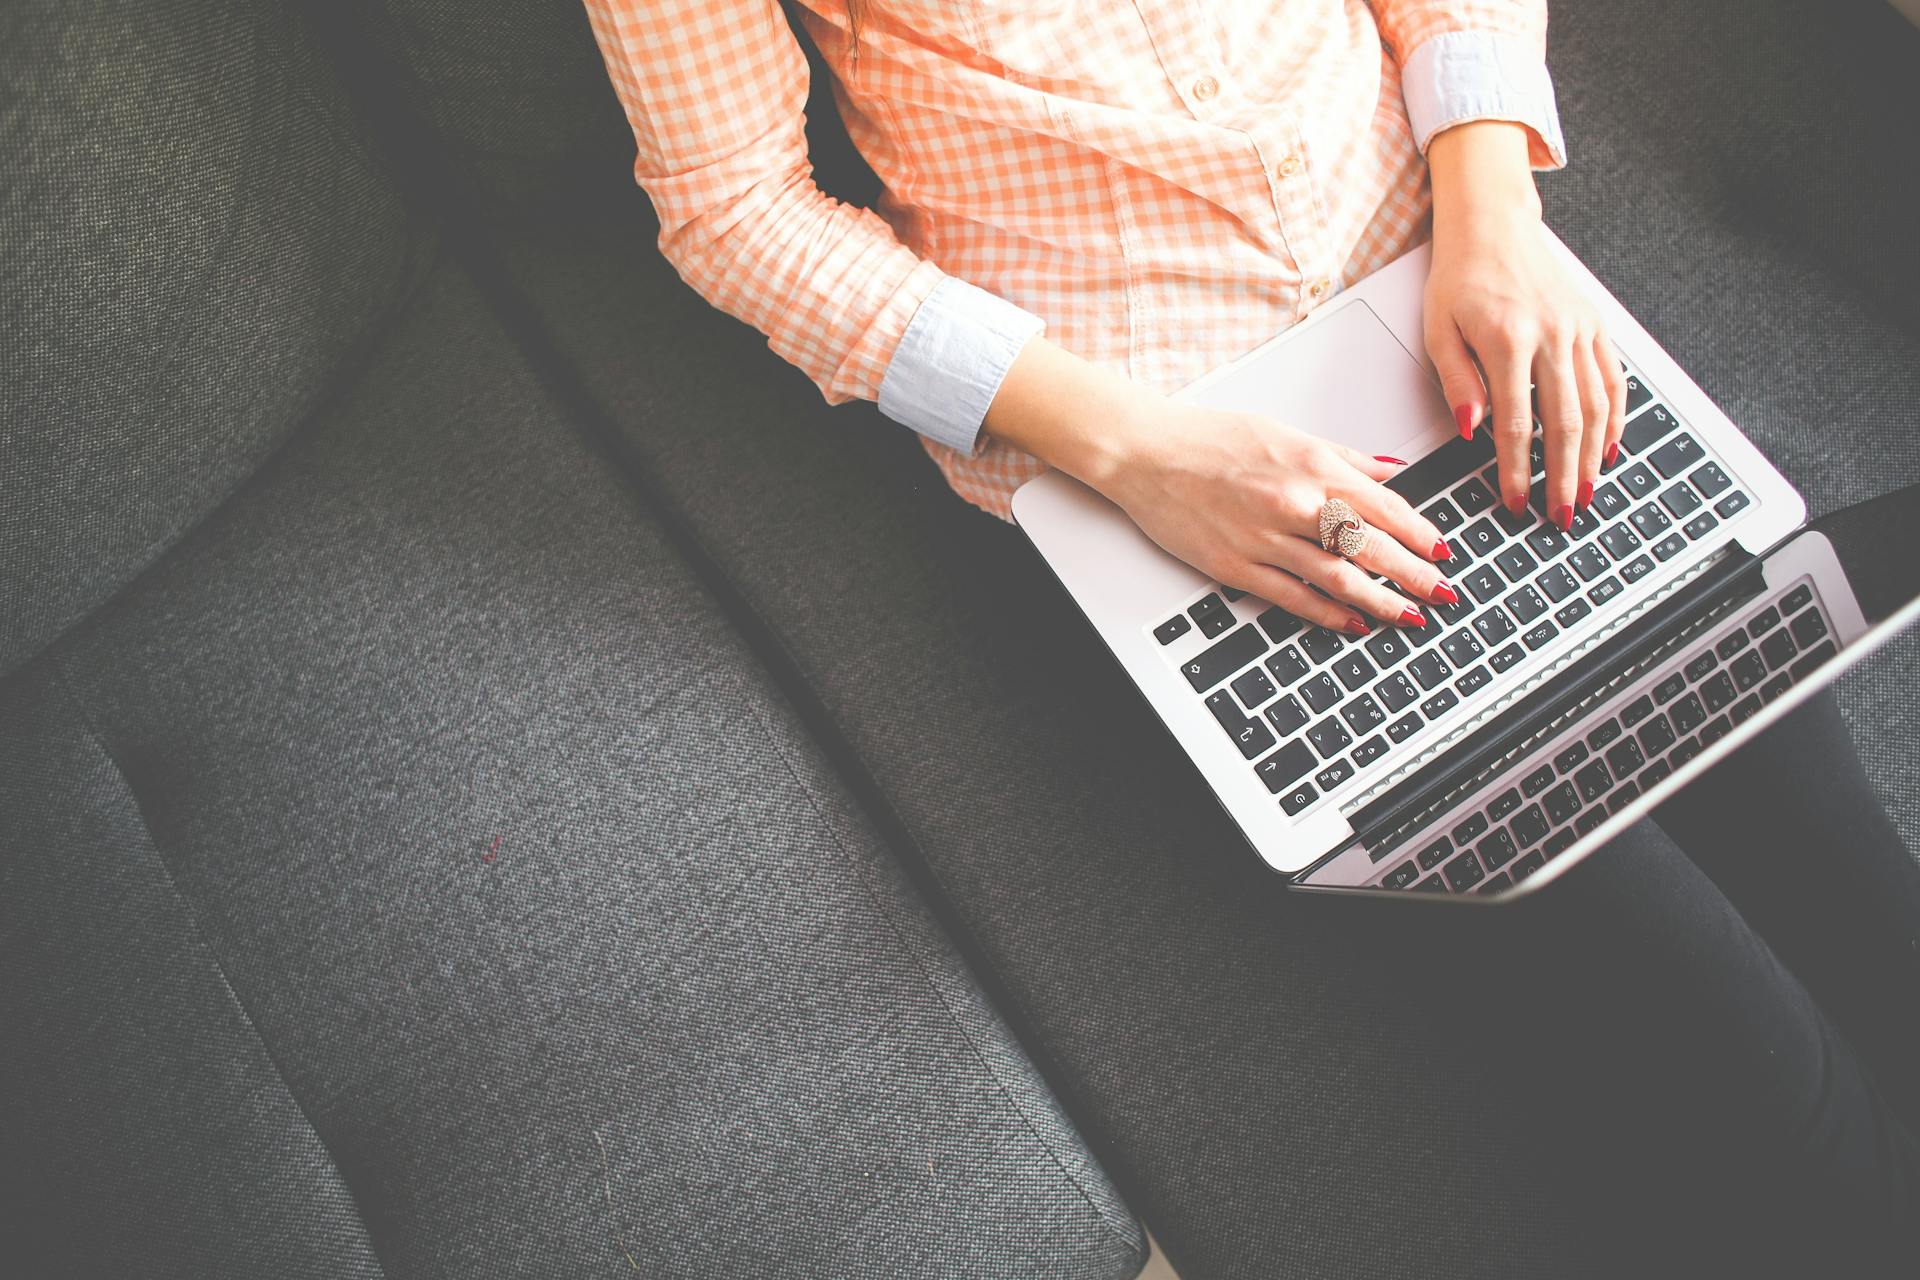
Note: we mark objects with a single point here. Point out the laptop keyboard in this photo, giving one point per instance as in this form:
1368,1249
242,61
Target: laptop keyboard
1311,710
1539,808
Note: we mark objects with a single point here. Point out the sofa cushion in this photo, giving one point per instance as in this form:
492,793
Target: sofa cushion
509,922
194,243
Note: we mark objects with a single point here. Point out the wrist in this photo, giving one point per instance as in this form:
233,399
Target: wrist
1090,422
1483,184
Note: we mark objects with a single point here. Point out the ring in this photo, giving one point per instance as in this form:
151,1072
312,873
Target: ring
1342,531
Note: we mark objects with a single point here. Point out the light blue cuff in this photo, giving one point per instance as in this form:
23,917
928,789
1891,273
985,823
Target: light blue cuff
1480,75
951,361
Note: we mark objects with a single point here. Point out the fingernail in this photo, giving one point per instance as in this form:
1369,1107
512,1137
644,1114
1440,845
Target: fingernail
1517,503
1466,417
1358,627
1612,455
1443,593
1563,516
1395,462
1412,617
1441,551
1585,499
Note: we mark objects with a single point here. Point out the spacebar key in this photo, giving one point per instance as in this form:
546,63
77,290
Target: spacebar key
1225,657
1441,468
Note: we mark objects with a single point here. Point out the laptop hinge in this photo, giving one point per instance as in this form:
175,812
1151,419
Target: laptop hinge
1433,790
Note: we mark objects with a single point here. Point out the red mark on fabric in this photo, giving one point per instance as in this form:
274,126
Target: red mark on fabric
492,852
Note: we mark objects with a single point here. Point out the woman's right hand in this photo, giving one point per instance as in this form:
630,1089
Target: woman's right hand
1235,495
1238,497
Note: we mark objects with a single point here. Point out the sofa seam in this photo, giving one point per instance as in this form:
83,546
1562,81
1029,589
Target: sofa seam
72,696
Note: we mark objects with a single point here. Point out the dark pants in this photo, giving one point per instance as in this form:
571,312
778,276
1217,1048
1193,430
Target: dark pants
1737,984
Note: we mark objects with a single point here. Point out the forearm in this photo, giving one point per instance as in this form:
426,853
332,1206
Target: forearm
1070,413
1482,182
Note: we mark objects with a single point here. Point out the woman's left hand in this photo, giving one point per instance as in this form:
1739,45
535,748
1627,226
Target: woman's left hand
1499,294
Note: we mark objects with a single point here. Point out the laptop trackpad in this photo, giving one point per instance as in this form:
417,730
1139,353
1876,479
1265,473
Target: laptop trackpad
1345,377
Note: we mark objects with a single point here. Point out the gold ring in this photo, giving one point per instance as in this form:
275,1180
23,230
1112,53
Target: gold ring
1342,531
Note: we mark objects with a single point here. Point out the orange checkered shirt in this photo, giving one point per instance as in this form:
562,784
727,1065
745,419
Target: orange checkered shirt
1160,185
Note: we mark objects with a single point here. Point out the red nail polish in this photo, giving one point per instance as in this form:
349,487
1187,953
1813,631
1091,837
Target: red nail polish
1517,503
1585,499
1443,593
1466,416
1412,617
1393,462
1358,627
1563,516
1613,453
1441,551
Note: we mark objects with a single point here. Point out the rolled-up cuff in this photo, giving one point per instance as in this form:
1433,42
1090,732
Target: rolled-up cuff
1481,75
951,361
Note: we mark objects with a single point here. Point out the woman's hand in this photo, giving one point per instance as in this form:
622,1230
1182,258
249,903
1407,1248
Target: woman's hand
1236,496
1499,294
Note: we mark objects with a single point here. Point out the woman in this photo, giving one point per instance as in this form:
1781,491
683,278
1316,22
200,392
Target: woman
1088,205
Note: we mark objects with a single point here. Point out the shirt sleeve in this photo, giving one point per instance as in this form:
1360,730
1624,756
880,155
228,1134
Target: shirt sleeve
1464,60
715,91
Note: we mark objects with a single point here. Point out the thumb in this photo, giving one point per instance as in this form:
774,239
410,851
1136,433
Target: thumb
1459,377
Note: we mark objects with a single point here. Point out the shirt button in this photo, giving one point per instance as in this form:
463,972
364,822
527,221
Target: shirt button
1289,166
1205,87
1319,288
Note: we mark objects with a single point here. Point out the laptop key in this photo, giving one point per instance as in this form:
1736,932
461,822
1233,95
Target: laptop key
1569,760
1562,803
1497,850
1669,689
1434,853
1439,704
1397,693
1669,547
1527,865
1637,394
1444,516
1650,521
1539,635
1506,658
1764,621
1363,713
1494,625
1609,503
1588,821
1700,526
1679,499
1480,538
1253,688
1778,649
1278,623
1700,666
1405,727
1775,687
1572,612
1470,829
1585,525
1253,738
1211,615
1635,569
1710,480
1461,648
1464,872
1588,562
1389,647
1333,775
1546,542
1558,843
1676,456
1530,825
1430,669
1808,627
1172,629
1636,711
1593,781
1606,733
1353,669
1558,583
1797,599
1369,751
1718,692
1732,505
1329,738
1298,798
1688,714
1287,716
1503,804
1749,669
1484,583
1224,657
1401,876
1644,431
1714,730
1537,781
1320,692
1605,589
1319,644
1285,767
1287,665
1473,497
1625,757
1515,562
1656,738
1619,541
1473,681
1743,710
1639,481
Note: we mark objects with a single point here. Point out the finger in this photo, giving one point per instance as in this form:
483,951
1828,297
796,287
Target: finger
1391,514
1459,375
1510,376
1417,577
1562,421
1595,408
1616,380
1374,466
1277,586
1345,581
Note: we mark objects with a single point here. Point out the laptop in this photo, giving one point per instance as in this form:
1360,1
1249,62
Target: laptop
1582,677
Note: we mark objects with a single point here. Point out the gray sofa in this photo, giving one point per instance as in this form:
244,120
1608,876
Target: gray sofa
496,779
